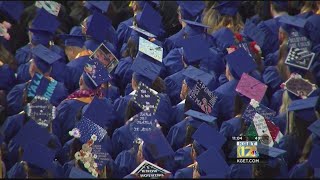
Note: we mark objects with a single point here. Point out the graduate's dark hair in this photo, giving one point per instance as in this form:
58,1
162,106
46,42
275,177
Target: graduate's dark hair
170,20
305,155
76,146
265,171
188,104
131,110
159,85
262,8
7,58
131,50
190,131
279,8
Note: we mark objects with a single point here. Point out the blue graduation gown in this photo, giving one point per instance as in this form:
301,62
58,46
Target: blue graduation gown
65,118
276,100
231,127
123,73
240,171
174,85
178,112
288,143
169,42
125,163
214,63
11,126
182,157
23,54
300,170
184,173
272,79
122,139
14,97
281,121
112,93
7,78
173,62
124,31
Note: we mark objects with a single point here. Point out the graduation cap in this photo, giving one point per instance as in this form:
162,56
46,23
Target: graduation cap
251,87
207,137
100,6
41,86
142,31
77,173
253,32
191,10
41,110
31,131
45,21
300,58
205,161
86,129
240,62
150,20
229,8
271,152
148,169
146,98
195,48
199,27
146,71
193,74
155,145
94,74
315,128
305,109
299,86
51,7
224,37
38,155
201,116
143,122
44,57
74,38
12,9
151,49
314,156
292,23
106,56
98,27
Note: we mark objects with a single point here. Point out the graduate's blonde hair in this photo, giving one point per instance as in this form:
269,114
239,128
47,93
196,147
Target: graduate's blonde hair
215,21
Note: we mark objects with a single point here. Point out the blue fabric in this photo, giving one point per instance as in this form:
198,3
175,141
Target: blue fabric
272,79
122,139
271,59
112,93
241,171
7,78
123,73
123,31
214,63
276,100
125,163
23,54
184,173
231,128
173,62
281,121
177,134
173,86
11,126
169,42
182,157
120,106
288,143
23,74
178,112
299,170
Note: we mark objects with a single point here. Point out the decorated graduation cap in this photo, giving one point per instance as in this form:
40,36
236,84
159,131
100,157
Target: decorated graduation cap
98,27
94,74
100,6
240,62
305,109
146,98
229,8
251,87
299,87
205,161
77,173
105,54
143,170
74,38
145,71
315,128
143,122
192,75
50,6
31,132
150,20
12,9
151,49
271,152
191,10
155,145
195,48
201,116
41,86
38,155
216,139
299,59
292,24
41,110
44,57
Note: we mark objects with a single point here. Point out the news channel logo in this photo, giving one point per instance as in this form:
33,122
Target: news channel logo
247,149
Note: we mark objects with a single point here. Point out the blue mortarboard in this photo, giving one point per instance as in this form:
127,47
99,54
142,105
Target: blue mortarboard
229,8
195,48
98,26
98,111
74,38
77,173
240,62
45,21
305,108
94,74
191,10
101,6
156,145
87,128
291,23
150,20
314,156
145,68
193,74
146,98
91,44
201,116
253,32
12,9
44,57
283,4
315,128
271,152
31,131
38,155
207,137
224,38
198,27
211,162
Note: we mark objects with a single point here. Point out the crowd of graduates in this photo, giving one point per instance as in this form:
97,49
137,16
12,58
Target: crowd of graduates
64,113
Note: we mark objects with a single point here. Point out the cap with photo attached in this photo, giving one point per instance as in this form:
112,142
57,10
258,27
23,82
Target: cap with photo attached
192,75
195,48
43,27
272,152
98,27
44,57
219,168
12,9
94,74
155,146
240,62
191,10
229,8
38,155
100,6
145,71
74,38
305,109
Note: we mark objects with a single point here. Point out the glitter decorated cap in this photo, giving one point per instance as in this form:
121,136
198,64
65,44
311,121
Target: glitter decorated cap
95,74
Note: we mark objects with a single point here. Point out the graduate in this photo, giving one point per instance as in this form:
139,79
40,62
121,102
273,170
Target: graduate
93,76
40,66
7,77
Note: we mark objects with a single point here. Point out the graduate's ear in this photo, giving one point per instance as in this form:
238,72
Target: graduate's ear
32,68
282,35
